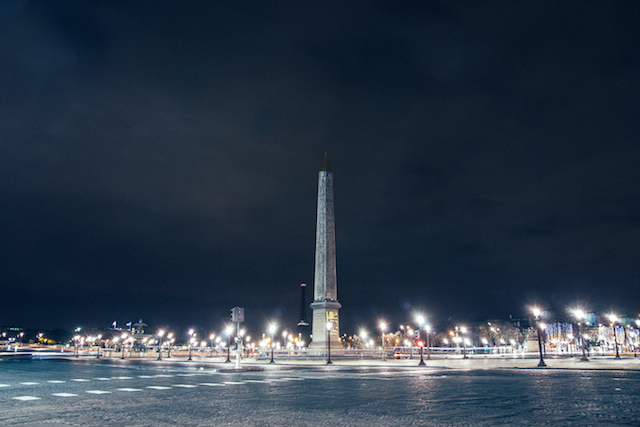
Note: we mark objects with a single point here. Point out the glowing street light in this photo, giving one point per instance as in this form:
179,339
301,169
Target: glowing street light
536,312
98,338
272,332
160,336
420,320
464,342
581,315
75,342
383,328
228,332
192,338
170,338
363,338
614,319
123,345
114,342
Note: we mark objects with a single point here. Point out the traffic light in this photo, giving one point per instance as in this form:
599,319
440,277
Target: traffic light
237,315
417,334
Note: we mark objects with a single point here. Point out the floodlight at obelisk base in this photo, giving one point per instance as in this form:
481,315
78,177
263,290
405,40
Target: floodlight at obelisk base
325,303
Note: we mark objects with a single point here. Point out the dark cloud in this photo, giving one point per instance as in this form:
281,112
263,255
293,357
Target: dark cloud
160,159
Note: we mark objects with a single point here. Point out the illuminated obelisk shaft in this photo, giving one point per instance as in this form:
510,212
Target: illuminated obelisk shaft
325,304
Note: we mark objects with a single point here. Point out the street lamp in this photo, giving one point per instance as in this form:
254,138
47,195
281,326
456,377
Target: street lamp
383,327
272,331
464,342
614,319
536,312
211,338
427,329
160,335
420,321
192,338
228,331
329,325
114,342
123,345
411,341
99,337
170,338
363,337
580,315
75,345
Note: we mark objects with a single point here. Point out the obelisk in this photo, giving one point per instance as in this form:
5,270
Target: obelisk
325,303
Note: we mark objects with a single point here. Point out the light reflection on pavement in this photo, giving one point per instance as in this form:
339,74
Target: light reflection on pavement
99,392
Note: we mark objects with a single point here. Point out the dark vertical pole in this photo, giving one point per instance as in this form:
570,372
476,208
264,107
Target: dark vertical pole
584,344
541,363
615,338
329,347
272,361
303,307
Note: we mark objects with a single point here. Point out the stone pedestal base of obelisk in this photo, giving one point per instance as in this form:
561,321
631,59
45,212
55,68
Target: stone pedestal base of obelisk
323,312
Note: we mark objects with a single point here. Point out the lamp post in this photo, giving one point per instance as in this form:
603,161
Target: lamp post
272,331
228,331
191,339
427,329
411,342
99,337
420,321
211,338
160,335
580,315
536,312
635,347
614,319
114,343
464,342
123,345
329,325
363,337
75,345
383,327
239,341
170,338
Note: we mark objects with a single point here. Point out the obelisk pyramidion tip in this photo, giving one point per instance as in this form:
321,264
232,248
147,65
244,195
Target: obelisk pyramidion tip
326,166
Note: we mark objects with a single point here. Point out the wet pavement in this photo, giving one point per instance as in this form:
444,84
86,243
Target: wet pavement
456,393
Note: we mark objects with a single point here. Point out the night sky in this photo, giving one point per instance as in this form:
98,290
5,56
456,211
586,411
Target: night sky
159,160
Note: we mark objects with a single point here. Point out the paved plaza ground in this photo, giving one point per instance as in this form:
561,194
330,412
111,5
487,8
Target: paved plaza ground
446,392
